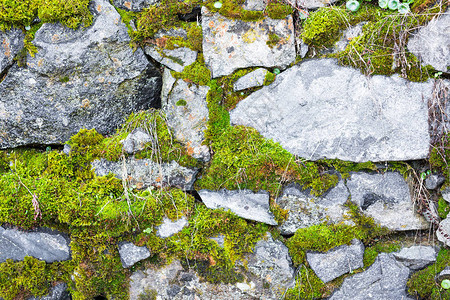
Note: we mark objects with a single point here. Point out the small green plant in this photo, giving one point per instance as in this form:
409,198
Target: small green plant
402,8
445,284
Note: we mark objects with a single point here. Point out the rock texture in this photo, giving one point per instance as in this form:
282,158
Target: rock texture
58,292
416,257
79,78
255,5
169,228
229,45
187,116
252,79
142,173
384,280
131,254
244,203
134,5
305,210
44,244
12,43
318,109
385,198
313,4
176,59
135,141
432,43
337,261
443,231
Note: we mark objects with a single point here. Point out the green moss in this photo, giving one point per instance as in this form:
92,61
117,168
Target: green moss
232,9
149,294
438,156
181,102
273,40
371,253
307,286
345,167
423,284
278,9
64,79
270,77
443,208
196,73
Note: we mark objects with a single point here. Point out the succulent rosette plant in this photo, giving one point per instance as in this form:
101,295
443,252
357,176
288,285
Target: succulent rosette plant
352,5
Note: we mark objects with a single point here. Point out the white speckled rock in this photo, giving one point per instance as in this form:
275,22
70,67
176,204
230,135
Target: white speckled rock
416,257
169,228
131,254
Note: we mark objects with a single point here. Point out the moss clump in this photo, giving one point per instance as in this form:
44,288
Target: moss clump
270,77
273,40
345,167
181,102
278,9
423,283
438,156
371,253
307,286
443,208
232,9
196,73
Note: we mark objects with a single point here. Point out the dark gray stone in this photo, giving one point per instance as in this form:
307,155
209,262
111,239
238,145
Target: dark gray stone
384,280
12,43
131,254
244,203
252,79
85,78
385,198
134,5
142,173
43,244
318,109
432,43
434,181
169,228
229,45
58,292
337,261
416,257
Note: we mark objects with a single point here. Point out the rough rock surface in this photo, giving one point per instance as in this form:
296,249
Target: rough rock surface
337,261
131,254
135,141
446,194
229,45
187,116
58,292
169,228
313,4
44,244
434,181
176,59
443,231
12,43
347,35
134,5
416,257
244,203
255,5
444,274
305,210
252,79
142,173
79,78
385,198
432,43
318,109
384,280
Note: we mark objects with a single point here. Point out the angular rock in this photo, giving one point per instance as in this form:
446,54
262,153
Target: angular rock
416,257
169,228
131,254
270,261
135,141
44,244
244,203
88,78
187,116
337,261
176,59
348,35
12,43
255,5
444,274
318,109
434,181
443,231
134,5
313,4
229,45
252,79
142,173
58,292
385,198
431,43
167,84
384,280
446,194
305,210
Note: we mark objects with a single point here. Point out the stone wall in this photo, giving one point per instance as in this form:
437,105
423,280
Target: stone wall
223,150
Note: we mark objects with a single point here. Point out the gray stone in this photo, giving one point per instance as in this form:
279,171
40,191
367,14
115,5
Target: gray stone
219,239
432,43
131,254
416,257
142,173
337,261
187,115
176,59
443,231
318,109
57,292
446,194
385,198
169,228
135,141
85,78
384,280
313,4
434,181
167,84
12,43
134,5
270,261
305,210
229,45
255,5
444,274
252,79
44,244
303,48
347,36
244,203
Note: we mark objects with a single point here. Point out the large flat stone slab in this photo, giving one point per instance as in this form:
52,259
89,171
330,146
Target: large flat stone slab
44,244
318,109
229,45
